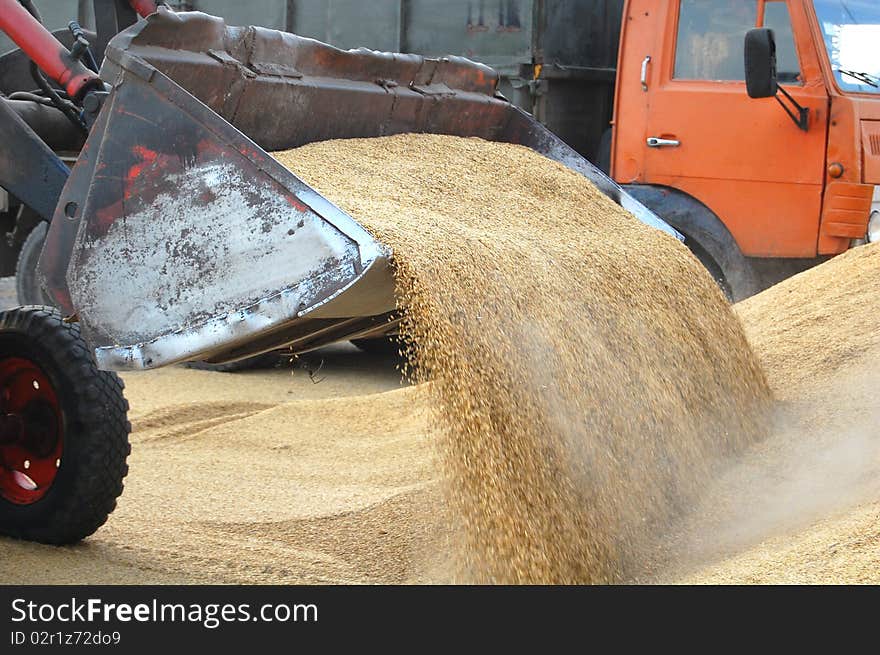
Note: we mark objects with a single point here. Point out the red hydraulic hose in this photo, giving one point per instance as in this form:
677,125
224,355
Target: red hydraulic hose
143,7
45,50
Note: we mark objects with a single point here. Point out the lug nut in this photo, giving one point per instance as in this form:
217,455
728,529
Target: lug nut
27,464
36,385
57,463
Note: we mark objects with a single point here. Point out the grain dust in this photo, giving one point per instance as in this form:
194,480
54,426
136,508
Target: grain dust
802,506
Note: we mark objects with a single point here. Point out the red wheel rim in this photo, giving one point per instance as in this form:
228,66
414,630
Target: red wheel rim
31,431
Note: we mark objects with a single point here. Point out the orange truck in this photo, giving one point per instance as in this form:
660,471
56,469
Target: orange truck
763,176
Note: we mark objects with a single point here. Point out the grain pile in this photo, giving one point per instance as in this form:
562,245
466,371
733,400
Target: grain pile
278,476
803,506
262,477
587,373
809,327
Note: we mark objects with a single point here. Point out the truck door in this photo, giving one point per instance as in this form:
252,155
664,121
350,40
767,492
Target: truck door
684,120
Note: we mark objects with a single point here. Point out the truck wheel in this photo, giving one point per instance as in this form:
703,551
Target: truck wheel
712,266
63,430
705,235
27,284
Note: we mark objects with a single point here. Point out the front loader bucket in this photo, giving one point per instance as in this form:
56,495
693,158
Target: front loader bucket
178,237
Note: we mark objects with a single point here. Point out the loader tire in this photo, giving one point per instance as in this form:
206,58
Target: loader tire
63,430
28,288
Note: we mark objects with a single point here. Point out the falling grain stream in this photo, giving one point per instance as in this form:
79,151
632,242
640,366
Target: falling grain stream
579,404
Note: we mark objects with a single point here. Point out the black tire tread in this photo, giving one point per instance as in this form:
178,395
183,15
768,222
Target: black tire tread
99,423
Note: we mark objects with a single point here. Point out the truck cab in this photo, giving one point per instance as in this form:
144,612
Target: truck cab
751,181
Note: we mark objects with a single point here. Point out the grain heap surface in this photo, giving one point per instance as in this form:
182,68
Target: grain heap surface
262,477
587,372
808,327
802,506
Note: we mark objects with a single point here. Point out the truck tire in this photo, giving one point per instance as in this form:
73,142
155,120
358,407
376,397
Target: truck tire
27,285
63,430
705,235
712,266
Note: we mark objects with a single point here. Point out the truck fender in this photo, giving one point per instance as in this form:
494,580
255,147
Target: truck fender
705,234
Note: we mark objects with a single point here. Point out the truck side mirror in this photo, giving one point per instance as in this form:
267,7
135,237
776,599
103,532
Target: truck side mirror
760,60
761,75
